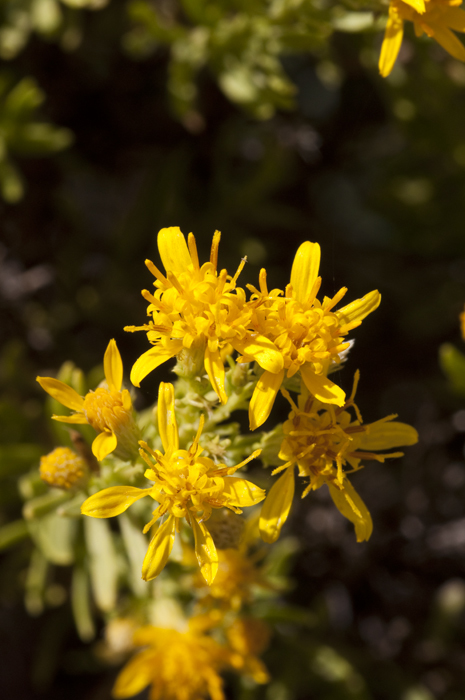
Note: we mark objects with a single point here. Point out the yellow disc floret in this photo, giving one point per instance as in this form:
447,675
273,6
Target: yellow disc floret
63,469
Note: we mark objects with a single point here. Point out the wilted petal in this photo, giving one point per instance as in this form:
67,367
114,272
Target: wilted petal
173,250
242,493
384,435
112,501
305,270
353,508
113,367
263,398
147,362
214,367
321,387
159,549
205,551
277,505
62,393
167,425
135,676
359,309
103,445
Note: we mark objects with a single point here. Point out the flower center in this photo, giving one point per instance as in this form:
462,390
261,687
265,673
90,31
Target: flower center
104,409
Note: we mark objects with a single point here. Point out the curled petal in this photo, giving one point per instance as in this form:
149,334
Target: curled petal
242,493
321,387
147,362
113,367
104,444
349,503
305,270
261,350
173,250
357,310
263,398
135,676
214,367
62,393
112,501
167,425
159,549
205,551
277,505
384,435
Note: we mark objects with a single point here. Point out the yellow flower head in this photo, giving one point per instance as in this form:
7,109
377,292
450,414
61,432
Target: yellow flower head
435,18
308,333
198,312
107,409
186,485
322,440
249,637
63,469
177,665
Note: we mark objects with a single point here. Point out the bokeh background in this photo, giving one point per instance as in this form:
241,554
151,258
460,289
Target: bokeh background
372,169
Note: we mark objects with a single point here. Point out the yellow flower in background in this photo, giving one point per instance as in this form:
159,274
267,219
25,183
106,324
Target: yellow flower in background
63,469
249,637
195,310
322,440
107,409
309,334
435,18
177,665
462,323
186,485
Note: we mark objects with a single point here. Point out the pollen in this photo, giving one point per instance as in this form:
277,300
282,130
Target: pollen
63,469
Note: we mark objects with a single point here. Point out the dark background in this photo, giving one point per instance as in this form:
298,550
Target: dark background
375,172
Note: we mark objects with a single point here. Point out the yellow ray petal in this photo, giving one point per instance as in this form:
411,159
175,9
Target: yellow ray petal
103,444
159,549
205,551
263,398
359,309
62,393
147,362
277,505
214,367
305,270
262,351
135,676
173,250
386,435
73,418
391,43
112,501
349,503
448,41
454,18
113,367
417,5
321,387
242,493
167,425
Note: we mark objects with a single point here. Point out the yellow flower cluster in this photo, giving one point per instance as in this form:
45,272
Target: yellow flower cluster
435,18
63,469
186,486
198,310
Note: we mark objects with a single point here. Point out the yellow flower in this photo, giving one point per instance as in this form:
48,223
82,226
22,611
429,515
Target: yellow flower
63,469
322,440
307,332
197,312
185,485
462,323
107,409
435,18
178,665
249,637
